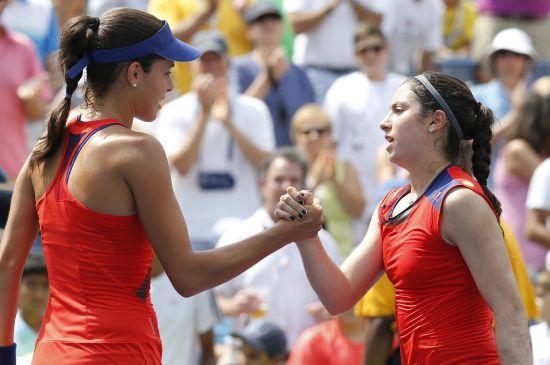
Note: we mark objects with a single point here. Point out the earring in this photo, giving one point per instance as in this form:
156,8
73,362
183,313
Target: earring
430,130
134,85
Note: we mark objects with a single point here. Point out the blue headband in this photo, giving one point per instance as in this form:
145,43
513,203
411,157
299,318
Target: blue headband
443,104
162,43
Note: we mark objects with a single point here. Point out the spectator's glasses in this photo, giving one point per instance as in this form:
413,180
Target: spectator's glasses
375,49
315,131
267,17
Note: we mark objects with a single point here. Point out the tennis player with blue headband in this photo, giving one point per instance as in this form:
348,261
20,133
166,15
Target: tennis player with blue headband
437,238
102,197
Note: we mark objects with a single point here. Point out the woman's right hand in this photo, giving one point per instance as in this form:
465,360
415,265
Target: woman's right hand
299,214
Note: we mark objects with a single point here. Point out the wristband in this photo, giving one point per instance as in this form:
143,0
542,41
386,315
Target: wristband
7,354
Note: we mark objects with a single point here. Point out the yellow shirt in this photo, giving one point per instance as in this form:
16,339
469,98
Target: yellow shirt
226,19
458,26
380,299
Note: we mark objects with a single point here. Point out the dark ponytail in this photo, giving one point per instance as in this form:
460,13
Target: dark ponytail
475,119
118,27
76,39
481,152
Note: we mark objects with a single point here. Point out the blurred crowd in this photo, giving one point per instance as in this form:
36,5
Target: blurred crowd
291,93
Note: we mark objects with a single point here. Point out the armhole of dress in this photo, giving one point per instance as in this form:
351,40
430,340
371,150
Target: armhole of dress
60,168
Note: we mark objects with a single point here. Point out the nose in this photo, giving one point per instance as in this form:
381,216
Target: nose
385,124
170,84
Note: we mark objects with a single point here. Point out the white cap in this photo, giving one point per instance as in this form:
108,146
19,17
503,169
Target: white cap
513,40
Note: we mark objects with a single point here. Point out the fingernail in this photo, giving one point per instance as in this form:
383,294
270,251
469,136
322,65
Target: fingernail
302,194
304,211
301,202
300,216
292,218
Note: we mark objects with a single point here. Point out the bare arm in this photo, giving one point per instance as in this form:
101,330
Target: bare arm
469,223
304,22
350,193
340,288
365,14
186,29
17,240
260,86
145,169
536,228
520,159
378,340
187,155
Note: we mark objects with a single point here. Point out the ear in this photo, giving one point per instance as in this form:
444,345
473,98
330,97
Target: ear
134,73
438,122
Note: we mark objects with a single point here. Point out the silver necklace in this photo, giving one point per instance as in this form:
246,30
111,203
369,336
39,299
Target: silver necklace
412,200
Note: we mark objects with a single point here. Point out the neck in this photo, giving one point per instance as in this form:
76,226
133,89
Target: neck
354,330
110,107
375,73
422,176
33,319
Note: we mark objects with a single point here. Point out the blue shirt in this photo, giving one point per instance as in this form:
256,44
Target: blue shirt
283,99
495,96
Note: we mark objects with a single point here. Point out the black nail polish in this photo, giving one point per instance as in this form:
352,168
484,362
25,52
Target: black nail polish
302,194
292,218
304,212
300,216
301,202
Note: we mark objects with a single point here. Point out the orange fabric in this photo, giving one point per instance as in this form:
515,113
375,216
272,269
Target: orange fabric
441,316
99,269
325,344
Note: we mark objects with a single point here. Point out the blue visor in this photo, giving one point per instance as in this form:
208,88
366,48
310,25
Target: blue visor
162,43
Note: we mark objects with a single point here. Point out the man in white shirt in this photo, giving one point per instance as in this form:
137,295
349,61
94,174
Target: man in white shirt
324,37
537,221
356,104
414,29
214,139
185,324
277,287
540,333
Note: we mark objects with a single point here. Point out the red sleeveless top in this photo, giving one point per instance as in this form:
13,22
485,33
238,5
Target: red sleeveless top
99,270
441,315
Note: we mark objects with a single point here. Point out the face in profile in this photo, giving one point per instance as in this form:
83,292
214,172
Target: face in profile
153,89
280,175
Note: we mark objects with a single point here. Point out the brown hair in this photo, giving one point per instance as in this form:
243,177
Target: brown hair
368,29
475,120
532,123
117,28
305,112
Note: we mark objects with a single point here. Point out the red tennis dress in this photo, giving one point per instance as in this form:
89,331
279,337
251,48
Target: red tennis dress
99,269
441,315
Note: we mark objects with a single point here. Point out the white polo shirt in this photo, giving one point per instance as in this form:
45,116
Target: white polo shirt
181,321
330,44
356,106
281,273
218,153
412,26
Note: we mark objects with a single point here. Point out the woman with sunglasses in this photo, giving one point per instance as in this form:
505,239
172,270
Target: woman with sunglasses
101,195
336,183
438,238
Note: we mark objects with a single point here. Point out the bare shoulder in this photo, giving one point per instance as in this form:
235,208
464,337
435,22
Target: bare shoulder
462,201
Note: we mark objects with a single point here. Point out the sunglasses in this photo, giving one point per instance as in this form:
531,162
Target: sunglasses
374,49
318,131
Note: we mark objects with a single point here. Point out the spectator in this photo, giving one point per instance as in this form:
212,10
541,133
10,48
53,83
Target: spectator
511,56
335,183
324,37
531,16
415,33
540,333
266,74
187,17
356,104
23,94
526,146
264,343
185,324
339,341
458,27
538,206
214,146
277,287
33,297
